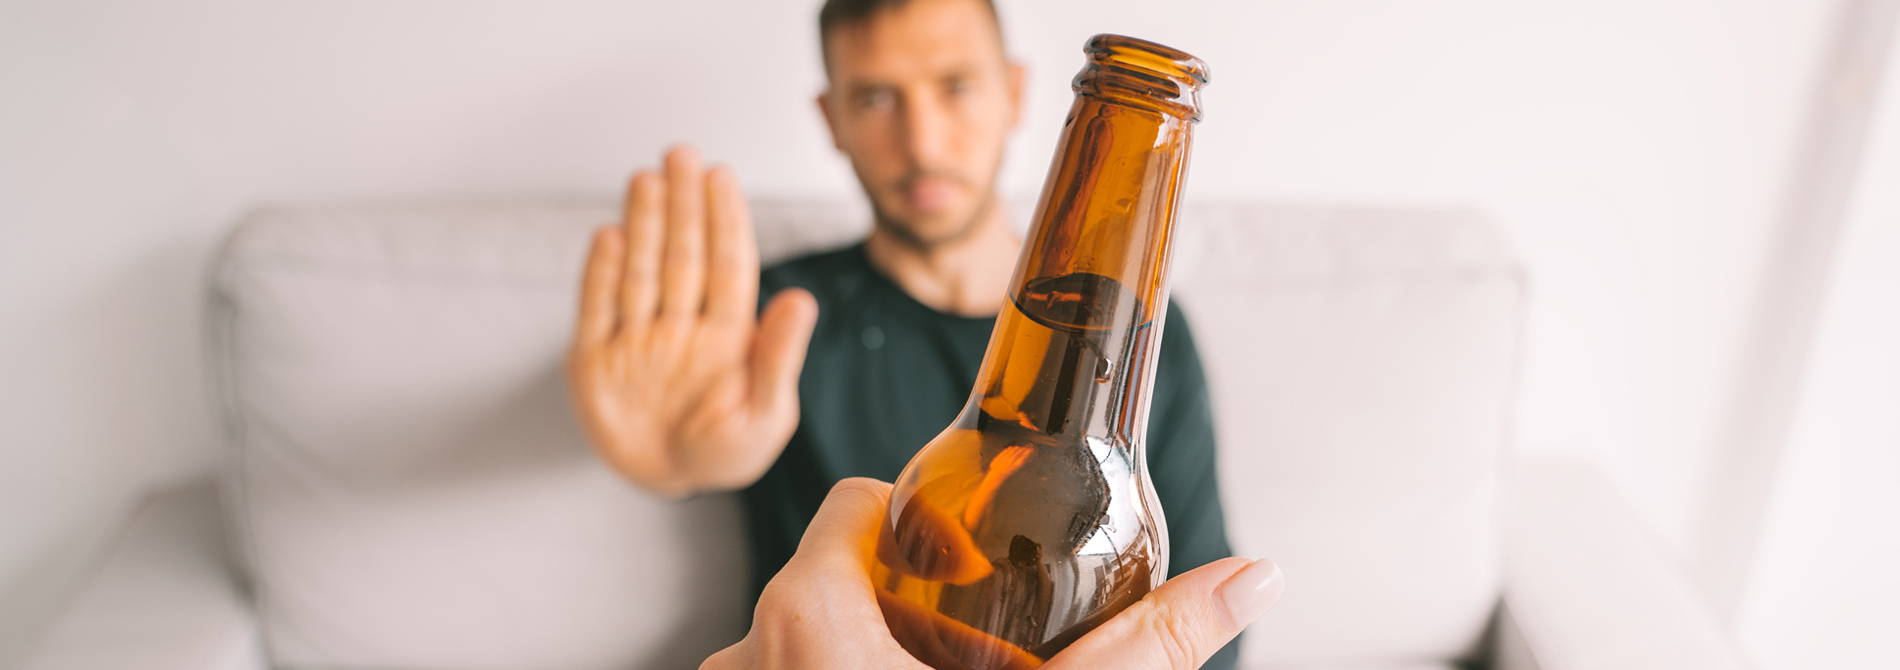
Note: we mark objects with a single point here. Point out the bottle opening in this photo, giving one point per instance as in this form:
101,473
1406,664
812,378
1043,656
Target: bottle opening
1144,74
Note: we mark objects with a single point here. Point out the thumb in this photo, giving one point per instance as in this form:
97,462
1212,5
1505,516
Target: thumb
778,349
1181,624
840,533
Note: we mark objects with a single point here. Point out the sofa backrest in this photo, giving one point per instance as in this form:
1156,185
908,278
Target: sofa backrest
409,488
1361,364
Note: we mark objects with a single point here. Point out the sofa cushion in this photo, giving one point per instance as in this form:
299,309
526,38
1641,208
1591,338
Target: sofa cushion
409,484
1361,365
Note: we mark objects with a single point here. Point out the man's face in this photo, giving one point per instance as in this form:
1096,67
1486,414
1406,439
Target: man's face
922,100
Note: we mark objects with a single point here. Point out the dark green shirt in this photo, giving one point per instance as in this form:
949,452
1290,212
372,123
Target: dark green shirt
885,374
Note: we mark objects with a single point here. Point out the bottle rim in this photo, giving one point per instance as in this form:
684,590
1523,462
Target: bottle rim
1141,73
1154,57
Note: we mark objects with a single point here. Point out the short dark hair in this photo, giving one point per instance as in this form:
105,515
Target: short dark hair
843,12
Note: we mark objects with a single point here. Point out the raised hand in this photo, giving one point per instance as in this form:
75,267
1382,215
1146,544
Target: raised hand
677,384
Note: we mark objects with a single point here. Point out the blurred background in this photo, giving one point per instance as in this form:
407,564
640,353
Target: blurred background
1706,194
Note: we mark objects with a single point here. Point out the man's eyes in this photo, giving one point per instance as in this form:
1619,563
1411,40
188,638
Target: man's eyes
876,98
882,98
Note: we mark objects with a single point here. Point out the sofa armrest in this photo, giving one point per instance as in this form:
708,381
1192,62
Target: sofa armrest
165,598
1584,588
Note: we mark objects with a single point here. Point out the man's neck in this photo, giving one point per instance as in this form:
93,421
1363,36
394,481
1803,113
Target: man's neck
966,277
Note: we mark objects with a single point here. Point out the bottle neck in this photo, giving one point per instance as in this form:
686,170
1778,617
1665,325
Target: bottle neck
1074,351
1108,205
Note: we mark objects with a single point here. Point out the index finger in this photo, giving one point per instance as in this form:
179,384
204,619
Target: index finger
732,275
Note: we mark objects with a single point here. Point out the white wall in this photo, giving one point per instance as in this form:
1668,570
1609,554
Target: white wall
1825,593
1636,149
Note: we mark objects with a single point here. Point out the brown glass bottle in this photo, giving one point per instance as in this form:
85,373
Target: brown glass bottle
1031,519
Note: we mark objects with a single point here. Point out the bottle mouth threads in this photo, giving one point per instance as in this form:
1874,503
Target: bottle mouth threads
1144,74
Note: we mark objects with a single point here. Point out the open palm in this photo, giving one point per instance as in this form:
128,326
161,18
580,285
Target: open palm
678,385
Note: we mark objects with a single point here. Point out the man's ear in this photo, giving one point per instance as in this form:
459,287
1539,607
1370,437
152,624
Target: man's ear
831,119
1015,75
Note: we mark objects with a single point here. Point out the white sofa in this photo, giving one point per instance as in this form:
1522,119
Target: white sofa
406,488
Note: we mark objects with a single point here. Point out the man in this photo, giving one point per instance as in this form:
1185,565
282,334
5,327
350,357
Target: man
861,355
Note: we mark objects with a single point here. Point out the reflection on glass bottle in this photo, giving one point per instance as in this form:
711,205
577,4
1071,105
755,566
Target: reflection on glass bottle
1031,519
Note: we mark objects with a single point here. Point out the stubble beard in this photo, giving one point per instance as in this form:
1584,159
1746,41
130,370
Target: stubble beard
907,233
910,235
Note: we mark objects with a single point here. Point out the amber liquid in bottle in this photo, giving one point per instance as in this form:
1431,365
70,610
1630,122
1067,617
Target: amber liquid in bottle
1031,519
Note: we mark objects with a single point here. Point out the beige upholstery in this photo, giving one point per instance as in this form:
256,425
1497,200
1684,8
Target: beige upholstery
409,483
167,598
1361,366
407,488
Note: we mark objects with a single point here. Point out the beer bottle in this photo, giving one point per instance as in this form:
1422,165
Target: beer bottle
1031,519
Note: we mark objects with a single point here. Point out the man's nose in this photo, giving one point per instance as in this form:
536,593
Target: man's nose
926,129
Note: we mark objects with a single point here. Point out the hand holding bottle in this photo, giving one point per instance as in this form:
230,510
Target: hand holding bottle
678,384
822,611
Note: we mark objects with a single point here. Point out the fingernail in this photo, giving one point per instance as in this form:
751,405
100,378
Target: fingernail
1251,592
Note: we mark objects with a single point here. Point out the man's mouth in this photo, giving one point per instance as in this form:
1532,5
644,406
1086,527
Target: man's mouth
931,194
